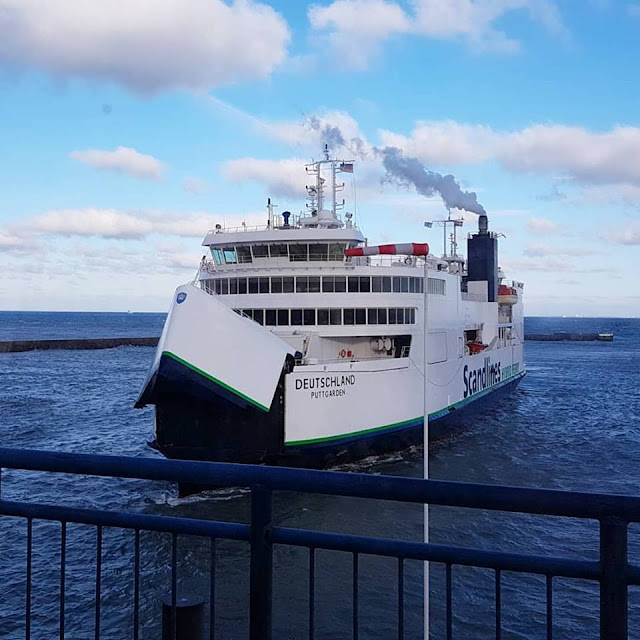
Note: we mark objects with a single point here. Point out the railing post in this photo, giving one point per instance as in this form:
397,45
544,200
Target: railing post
613,584
261,564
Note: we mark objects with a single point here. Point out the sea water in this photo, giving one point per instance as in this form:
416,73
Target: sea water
573,423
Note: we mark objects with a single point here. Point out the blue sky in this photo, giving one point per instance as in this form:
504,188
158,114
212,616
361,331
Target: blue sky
132,128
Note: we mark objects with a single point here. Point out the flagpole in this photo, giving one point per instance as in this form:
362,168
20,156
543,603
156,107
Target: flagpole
426,438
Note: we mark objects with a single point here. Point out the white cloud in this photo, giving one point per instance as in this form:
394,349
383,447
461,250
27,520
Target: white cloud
612,156
574,153
355,29
124,160
542,250
541,226
123,225
144,45
9,241
195,186
284,177
443,142
107,223
630,235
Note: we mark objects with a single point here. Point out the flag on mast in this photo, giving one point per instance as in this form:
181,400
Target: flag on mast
347,167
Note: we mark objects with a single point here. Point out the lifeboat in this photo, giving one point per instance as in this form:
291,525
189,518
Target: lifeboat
507,295
476,347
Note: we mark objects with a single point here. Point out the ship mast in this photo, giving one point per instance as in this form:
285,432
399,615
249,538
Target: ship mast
316,192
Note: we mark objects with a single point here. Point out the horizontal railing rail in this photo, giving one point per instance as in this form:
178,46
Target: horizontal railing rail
613,512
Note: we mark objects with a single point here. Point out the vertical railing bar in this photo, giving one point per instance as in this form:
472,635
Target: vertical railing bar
312,592
212,591
261,564
613,583
27,629
354,623
136,586
400,598
549,607
98,580
498,606
174,585
449,602
63,567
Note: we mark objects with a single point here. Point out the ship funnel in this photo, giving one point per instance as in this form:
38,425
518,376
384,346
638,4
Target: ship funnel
482,258
286,215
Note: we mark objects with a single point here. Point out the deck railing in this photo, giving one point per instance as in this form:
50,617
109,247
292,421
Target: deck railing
612,571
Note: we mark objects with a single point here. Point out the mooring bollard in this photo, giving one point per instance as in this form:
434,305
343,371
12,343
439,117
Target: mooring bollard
189,619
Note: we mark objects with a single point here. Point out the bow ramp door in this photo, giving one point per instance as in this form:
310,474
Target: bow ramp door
206,347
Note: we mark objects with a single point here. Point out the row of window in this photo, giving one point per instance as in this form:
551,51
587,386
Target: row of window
320,317
324,284
298,252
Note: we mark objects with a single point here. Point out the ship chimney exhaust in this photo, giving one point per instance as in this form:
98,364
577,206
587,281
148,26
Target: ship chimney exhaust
482,258
483,225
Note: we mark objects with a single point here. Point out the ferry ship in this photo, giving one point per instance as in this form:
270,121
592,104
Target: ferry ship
298,343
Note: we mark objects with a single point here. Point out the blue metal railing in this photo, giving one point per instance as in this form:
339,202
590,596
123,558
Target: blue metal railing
612,571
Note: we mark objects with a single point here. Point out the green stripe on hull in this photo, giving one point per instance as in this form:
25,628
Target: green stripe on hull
394,425
204,374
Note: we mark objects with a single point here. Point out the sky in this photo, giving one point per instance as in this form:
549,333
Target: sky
130,128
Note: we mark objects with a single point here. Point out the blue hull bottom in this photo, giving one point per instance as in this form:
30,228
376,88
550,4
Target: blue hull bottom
205,426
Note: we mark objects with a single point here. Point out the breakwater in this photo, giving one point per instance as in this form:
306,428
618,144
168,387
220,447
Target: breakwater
570,337
12,346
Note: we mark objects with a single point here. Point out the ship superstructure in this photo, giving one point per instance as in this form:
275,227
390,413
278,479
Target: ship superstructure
300,344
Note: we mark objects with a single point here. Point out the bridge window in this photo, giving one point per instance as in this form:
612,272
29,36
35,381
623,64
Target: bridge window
260,251
296,317
372,316
314,284
258,316
224,289
323,316
365,284
361,316
279,250
335,316
217,256
386,284
336,252
233,286
283,317
328,284
318,252
340,284
302,284
242,285
298,252
353,284
376,284
244,254
382,316
230,255
349,316
253,285
309,316
270,317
